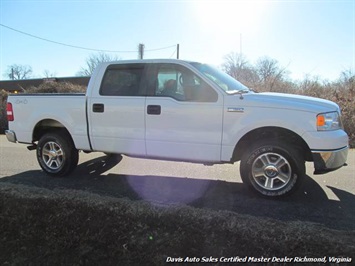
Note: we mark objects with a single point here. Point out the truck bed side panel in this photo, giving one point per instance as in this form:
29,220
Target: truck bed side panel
68,110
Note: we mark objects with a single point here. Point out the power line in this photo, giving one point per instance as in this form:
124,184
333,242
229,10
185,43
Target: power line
80,47
173,53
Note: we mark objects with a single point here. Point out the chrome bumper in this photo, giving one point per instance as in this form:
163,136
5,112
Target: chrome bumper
326,161
11,136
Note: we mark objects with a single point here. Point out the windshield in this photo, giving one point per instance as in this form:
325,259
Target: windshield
223,80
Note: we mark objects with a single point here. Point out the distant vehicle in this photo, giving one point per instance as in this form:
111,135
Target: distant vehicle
182,111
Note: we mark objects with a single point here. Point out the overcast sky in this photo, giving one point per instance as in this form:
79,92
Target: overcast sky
314,38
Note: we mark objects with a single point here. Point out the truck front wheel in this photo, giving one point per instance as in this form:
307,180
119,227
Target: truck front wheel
56,154
272,168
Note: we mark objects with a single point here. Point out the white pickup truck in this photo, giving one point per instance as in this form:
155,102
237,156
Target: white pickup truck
182,111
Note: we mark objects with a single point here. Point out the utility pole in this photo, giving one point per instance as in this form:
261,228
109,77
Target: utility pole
178,51
12,73
140,51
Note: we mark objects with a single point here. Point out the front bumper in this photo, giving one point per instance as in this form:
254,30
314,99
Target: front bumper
10,135
329,160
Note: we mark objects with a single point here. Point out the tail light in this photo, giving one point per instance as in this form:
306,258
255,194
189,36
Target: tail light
9,112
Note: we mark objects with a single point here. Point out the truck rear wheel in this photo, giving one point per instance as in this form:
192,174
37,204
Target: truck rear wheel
56,154
272,168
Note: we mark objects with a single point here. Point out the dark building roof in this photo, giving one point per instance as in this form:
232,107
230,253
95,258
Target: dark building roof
24,84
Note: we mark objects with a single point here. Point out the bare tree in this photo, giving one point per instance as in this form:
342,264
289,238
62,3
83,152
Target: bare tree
18,72
93,61
347,80
267,68
237,66
48,74
270,72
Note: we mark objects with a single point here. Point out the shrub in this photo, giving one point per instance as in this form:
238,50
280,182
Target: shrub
3,116
341,92
345,95
55,87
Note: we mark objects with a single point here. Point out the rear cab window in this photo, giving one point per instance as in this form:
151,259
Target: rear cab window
123,80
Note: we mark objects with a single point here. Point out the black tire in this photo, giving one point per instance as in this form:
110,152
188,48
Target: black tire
56,154
272,168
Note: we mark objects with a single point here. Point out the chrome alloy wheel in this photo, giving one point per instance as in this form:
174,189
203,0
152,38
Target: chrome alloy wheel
52,155
271,171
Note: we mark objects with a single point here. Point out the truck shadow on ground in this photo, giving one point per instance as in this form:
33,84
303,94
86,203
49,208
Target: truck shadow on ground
309,203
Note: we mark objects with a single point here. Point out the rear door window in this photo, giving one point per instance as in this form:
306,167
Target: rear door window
122,80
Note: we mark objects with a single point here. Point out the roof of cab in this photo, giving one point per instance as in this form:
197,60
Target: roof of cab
149,61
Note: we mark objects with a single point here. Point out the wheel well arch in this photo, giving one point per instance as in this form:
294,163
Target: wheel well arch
271,133
48,125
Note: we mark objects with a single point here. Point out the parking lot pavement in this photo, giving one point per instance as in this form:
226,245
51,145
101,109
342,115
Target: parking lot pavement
327,199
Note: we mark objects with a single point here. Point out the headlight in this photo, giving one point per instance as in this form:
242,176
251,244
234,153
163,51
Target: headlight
328,121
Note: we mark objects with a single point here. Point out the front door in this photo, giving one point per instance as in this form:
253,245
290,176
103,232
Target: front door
183,115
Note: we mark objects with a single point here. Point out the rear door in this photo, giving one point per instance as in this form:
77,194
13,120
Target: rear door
117,111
